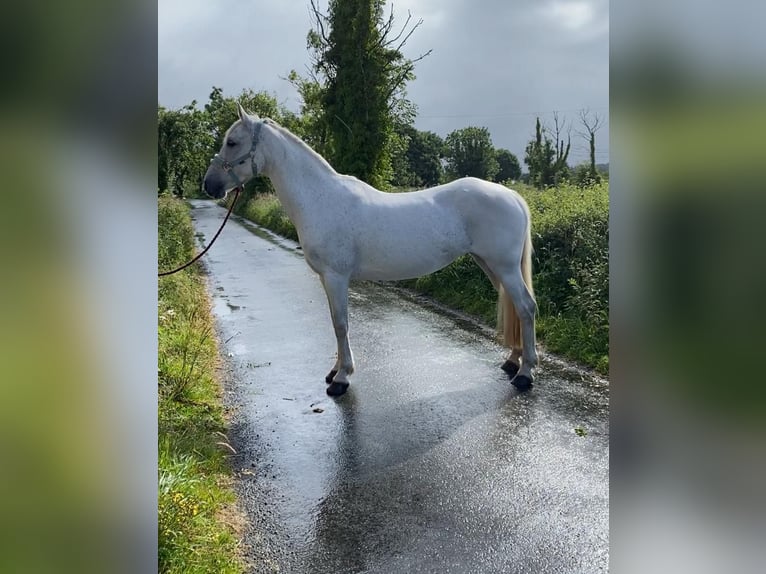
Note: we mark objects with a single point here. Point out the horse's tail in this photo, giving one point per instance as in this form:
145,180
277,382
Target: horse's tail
508,321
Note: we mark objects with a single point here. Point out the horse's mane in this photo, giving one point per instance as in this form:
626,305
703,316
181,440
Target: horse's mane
299,142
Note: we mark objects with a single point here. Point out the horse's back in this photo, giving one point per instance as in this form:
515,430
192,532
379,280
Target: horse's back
467,207
403,235
482,204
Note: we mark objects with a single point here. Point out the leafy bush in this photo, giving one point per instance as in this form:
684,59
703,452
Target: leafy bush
570,235
176,242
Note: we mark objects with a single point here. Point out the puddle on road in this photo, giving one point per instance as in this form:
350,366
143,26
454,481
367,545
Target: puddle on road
222,307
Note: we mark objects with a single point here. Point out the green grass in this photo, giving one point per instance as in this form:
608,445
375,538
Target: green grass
267,211
577,339
570,235
195,501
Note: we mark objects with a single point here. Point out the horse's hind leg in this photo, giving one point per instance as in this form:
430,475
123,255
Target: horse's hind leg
525,307
487,271
336,288
511,364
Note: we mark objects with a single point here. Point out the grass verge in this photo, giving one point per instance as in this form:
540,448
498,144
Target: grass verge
195,500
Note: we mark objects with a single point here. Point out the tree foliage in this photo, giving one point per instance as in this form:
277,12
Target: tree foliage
189,137
560,167
539,158
402,173
222,111
424,155
361,76
184,145
508,166
417,159
582,175
469,152
312,119
546,158
591,123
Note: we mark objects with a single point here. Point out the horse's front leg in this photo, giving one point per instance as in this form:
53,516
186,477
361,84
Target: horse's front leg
336,288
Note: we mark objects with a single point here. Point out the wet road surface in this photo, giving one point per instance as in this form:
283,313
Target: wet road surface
431,463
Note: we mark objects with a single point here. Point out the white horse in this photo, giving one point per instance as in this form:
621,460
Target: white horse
350,230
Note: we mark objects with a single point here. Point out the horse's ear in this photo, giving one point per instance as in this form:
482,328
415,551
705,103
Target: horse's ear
242,113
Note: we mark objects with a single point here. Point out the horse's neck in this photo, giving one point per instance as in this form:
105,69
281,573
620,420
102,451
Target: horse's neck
301,178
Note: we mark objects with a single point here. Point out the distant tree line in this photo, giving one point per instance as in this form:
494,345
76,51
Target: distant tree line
189,137
355,113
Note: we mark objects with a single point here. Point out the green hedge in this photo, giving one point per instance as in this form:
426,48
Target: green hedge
570,234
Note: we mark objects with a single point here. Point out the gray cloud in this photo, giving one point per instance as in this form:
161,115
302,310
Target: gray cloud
495,63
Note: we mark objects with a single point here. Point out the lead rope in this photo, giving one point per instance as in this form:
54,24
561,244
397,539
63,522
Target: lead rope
236,195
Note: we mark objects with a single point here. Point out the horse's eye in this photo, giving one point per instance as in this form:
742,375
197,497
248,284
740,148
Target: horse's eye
231,143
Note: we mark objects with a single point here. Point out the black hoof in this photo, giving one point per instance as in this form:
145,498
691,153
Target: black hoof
510,367
522,382
330,376
336,389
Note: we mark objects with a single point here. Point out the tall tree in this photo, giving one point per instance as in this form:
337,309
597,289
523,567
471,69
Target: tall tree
591,123
508,166
469,152
560,168
546,157
540,157
357,61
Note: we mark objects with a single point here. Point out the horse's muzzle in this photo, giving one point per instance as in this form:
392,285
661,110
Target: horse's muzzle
213,186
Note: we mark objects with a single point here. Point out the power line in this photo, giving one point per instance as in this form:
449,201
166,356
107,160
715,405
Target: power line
508,114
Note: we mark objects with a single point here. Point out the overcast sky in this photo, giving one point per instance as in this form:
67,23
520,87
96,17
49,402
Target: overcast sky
495,63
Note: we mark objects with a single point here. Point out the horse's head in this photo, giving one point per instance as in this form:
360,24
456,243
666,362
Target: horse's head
234,165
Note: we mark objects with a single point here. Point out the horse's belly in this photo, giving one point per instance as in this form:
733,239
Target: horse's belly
384,261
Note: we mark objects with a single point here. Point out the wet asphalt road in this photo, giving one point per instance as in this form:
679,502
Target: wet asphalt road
431,463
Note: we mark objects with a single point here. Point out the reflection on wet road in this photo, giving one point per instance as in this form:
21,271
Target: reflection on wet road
432,462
